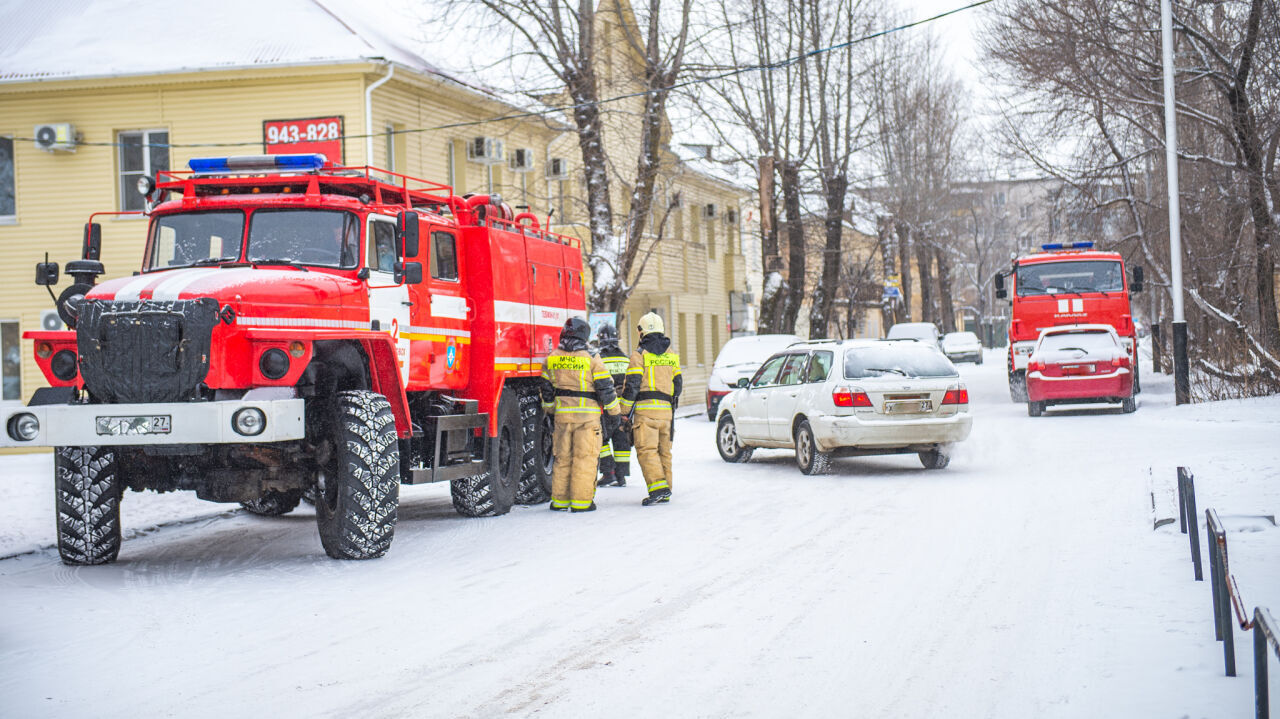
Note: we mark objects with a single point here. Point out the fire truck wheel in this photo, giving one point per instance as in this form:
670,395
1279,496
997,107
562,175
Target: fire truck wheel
493,492
358,482
936,458
535,474
273,503
88,490
1018,386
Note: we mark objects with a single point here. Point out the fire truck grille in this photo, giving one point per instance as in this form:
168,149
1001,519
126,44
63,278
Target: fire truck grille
145,351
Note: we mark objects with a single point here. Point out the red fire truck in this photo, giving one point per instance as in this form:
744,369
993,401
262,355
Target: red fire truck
297,329
1066,284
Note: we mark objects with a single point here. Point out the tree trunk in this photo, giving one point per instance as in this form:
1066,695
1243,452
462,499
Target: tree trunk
824,295
771,295
795,243
944,291
924,266
904,271
885,239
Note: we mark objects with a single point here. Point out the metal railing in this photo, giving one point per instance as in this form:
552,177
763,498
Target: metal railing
1264,633
1188,520
1226,595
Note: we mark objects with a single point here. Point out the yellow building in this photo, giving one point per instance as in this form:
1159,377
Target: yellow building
173,84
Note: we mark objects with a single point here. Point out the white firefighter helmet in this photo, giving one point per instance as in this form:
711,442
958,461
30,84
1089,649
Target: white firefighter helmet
651,323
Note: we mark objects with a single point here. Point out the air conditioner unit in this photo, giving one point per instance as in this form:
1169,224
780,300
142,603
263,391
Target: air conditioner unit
485,150
557,169
731,216
521,159
50,321
53,136
709,210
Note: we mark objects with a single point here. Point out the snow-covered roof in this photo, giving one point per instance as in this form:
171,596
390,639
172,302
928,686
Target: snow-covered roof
67,39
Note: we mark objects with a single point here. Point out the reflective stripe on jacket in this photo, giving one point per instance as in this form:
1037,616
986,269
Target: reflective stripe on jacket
576,386
653,383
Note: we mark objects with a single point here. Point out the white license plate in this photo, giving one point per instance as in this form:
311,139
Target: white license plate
135,424
923,405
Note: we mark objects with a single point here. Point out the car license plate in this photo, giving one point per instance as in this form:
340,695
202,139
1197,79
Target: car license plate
923,405
1078,368
135,424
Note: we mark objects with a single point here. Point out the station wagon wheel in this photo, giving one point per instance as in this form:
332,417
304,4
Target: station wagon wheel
810,459
731,448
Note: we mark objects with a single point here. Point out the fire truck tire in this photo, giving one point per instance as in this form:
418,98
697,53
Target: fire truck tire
273,503
493,492
88,490
535,475
936,458
358,486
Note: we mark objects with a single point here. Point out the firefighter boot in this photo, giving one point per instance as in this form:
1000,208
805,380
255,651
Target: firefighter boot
589,508
657,496
607,478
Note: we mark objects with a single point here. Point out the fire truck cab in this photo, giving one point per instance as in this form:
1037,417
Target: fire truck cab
298,330
1066,284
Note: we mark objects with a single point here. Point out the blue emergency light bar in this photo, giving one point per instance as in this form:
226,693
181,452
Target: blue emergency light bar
1082,245
245,163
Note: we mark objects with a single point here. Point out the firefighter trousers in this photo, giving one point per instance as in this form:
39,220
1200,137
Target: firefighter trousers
573,474
616,458
653,450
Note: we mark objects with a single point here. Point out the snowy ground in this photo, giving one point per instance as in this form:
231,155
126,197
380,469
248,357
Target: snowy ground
1023,581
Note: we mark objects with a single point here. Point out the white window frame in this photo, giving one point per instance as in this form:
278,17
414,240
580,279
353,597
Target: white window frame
18,325
147,169
13,152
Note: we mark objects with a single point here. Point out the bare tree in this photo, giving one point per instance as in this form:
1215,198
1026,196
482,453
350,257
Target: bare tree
562,36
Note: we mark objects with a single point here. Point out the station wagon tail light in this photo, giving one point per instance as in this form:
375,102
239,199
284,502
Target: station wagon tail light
956,396
1122,360
847,397
1035,366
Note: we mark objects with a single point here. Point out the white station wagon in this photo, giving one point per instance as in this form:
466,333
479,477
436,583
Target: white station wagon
849,398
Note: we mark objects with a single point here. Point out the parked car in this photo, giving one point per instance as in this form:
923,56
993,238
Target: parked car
926,332
856,397
739,359
962,347
1071,364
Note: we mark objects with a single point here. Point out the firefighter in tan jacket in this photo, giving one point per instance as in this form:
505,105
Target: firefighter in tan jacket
578,389
650,397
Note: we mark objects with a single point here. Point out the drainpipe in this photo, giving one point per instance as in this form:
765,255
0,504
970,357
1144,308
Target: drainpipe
368,113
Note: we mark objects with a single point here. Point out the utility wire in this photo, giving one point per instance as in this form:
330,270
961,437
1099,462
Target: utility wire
786,62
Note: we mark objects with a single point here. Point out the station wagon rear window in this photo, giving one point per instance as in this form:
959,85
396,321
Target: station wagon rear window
896,359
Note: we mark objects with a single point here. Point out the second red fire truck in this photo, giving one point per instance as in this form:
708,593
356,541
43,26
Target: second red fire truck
297,329
1066,284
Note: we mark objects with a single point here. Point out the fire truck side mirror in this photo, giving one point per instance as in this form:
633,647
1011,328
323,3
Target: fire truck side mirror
410,273
1136,284
92,241
407,233
1001,292
46,274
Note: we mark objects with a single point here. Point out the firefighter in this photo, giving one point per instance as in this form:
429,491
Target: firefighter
579,390
615,453
650,397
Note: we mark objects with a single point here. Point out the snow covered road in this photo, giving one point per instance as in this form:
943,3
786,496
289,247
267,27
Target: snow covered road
1024,580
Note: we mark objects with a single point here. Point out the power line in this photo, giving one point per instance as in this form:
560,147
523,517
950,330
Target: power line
786,62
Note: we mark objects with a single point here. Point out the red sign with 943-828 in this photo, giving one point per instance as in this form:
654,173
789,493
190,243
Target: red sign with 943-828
313,134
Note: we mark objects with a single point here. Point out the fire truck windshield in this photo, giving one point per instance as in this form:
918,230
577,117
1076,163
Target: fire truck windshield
195,238
327,238
1072,277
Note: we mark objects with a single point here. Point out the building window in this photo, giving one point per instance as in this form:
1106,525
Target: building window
391,148
715,336
142,153
711,240
10,361
701,338
8,186
684,334
451,169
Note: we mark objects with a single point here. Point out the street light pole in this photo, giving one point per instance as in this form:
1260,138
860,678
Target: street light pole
1181,374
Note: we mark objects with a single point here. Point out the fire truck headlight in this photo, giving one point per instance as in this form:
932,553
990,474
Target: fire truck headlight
63,365
24,427
249,421
274,363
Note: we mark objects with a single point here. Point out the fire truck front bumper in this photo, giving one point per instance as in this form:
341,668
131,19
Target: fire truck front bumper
223,422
